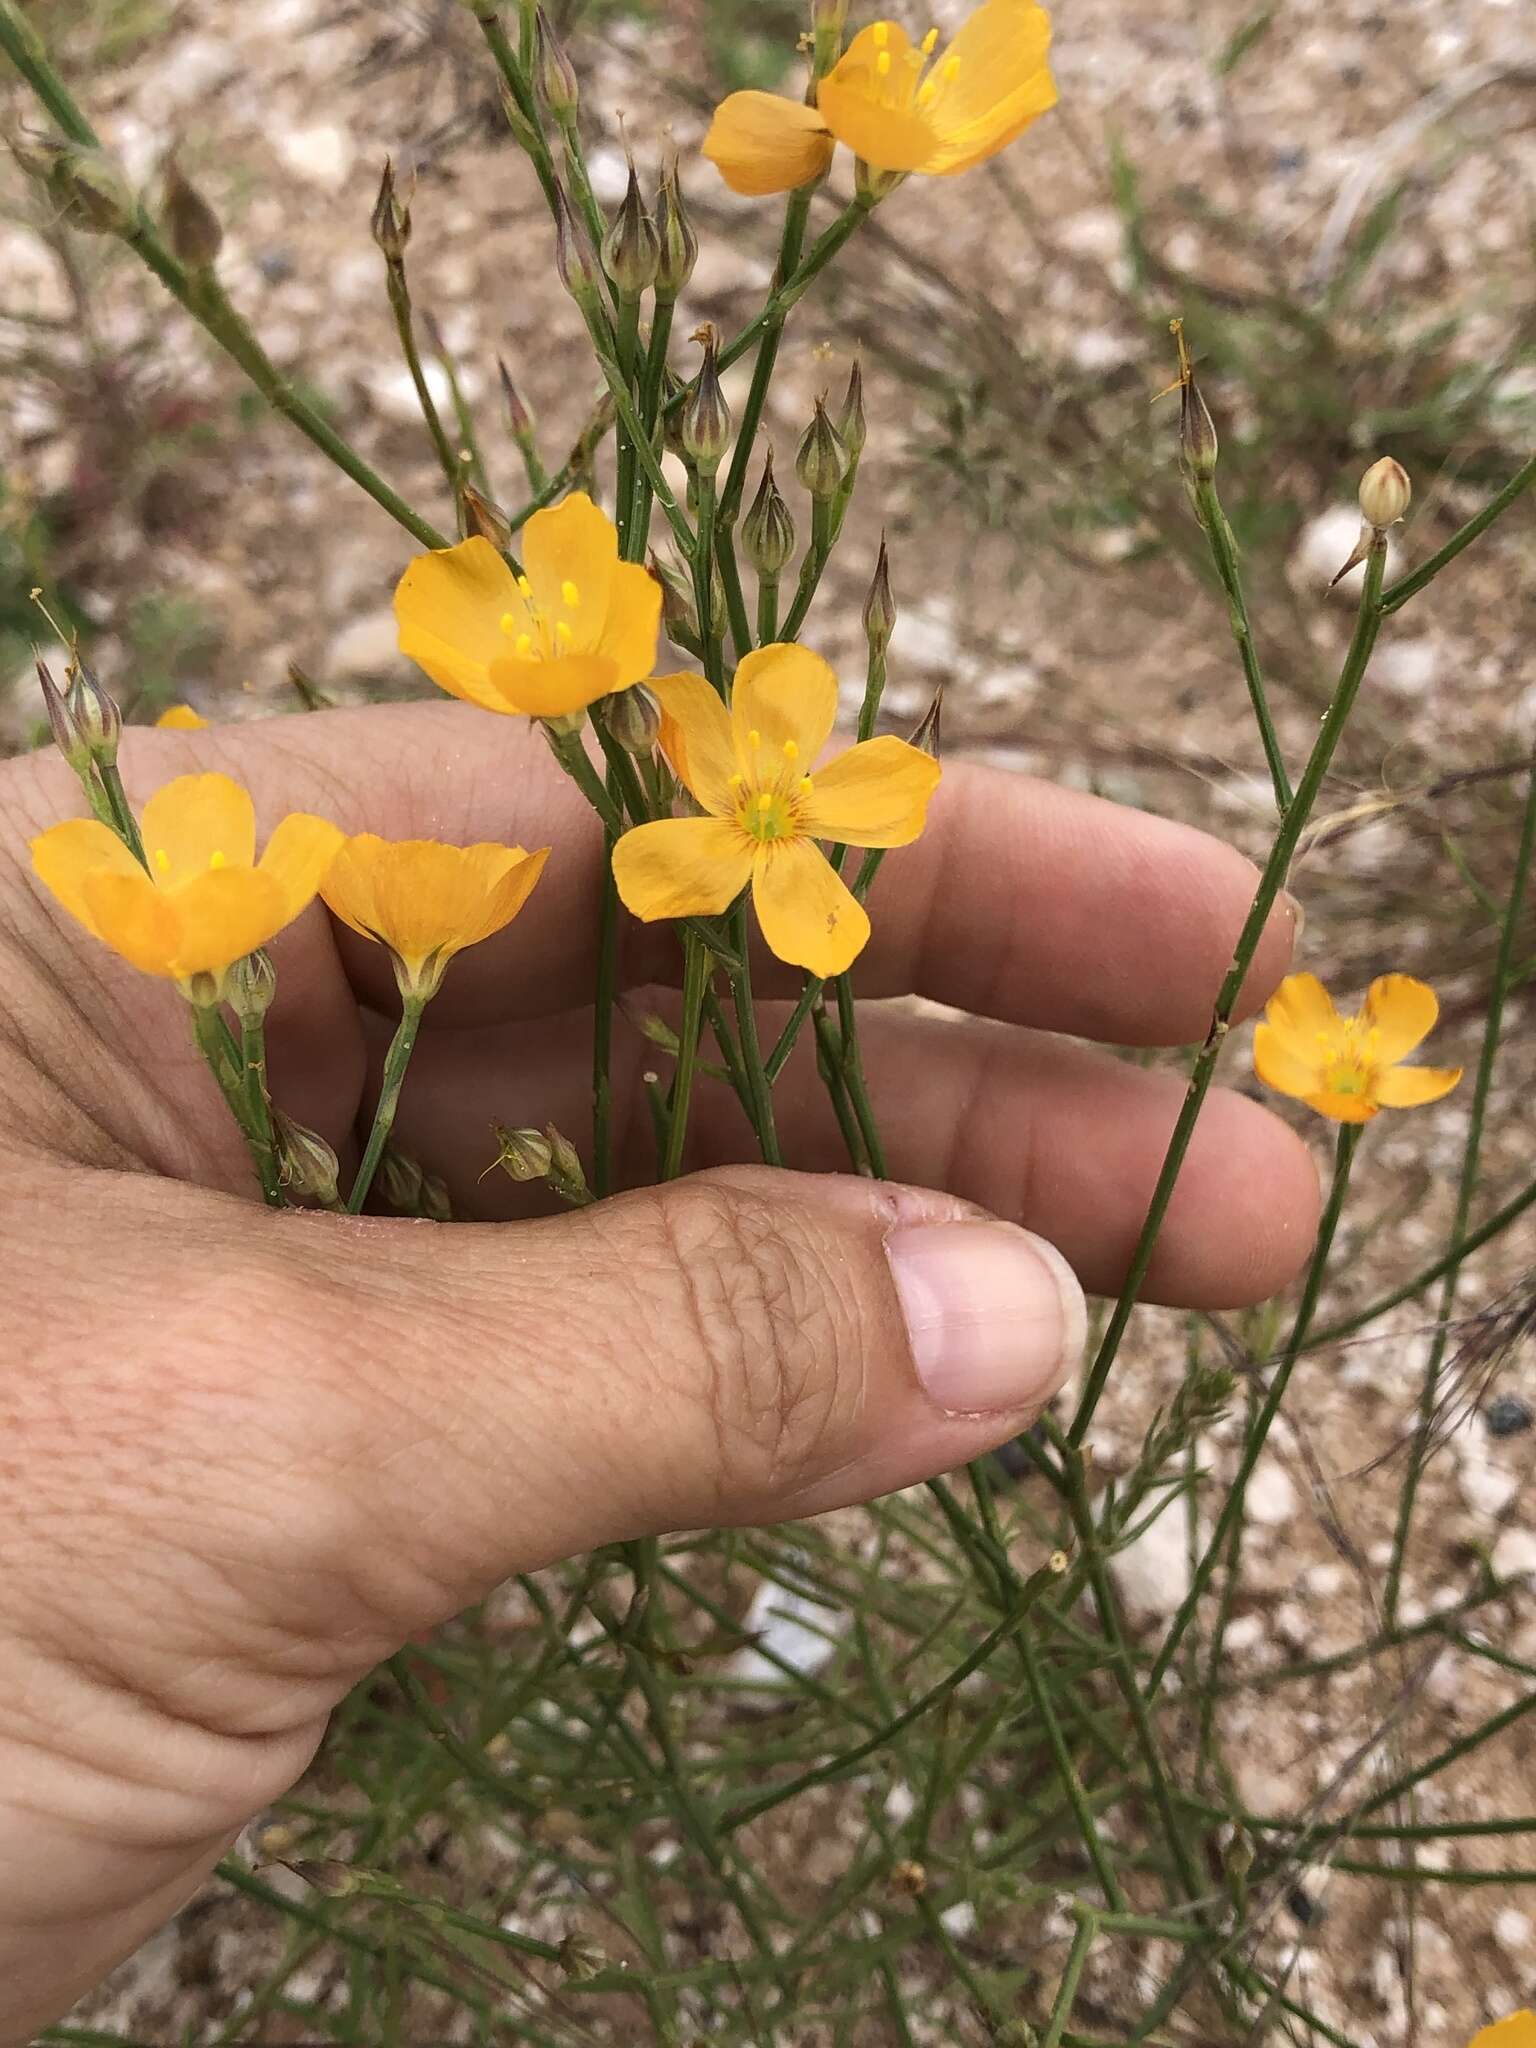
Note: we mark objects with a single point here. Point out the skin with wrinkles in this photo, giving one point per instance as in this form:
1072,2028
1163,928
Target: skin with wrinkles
236,1473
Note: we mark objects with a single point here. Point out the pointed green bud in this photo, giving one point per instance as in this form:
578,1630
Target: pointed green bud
575,258
399,1181
706,423
677,612
478,515
67,736
768,531
1198,445
632,247
86,185
391,218
435,1204
853,429
880,605
251,985
558,86
821,461
96,716
679,244
191,225
928,737
566,1174
523,1155
634,719
307,1167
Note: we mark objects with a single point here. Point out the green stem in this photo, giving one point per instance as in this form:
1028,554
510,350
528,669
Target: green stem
696,972
628,339
796,214
1257,1436
767,610
602,1026
852,1070
405,328
1224,555
629,418
758,1085
704,583
515,74
812,568
121,817
213,1040
735,595
1471,1164
784,297
1271,881
572,756
1067,1777
396,1060
1410,585
652,378
253,1056
1071,1977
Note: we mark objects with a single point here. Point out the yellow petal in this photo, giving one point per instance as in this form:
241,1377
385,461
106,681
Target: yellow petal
1402,1012
874,795
808,915
1344,1109
681,867
1408,1087
1517,2031
223,915
633,625
782,693
129,914
64,855
1279,1065
298,854
549,689
1000,83
869,101
449,606
570,552
180,718
198,822
696,739
421,897
1302,1013
347,886
762,143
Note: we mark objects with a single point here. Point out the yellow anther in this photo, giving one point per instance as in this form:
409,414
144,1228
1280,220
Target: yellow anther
523,647
563,633
930,42
883,63
805,785
216,859
949,69
738,781
765,803
525,586
927,93
882,34
508,624
569,594
754,738
791,751
162,860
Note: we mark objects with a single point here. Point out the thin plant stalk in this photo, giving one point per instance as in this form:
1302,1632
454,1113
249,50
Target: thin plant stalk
1411,584
696,973
1223,546
759,1086
218,1048
405,327
396,1061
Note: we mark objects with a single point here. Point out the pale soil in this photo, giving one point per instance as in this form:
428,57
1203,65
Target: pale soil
1070,661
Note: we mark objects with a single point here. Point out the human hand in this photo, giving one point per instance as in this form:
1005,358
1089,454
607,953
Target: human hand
252,1453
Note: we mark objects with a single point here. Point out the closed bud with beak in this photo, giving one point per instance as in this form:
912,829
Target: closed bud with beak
706,423
190,223
632,247
821,461
768,531
678,244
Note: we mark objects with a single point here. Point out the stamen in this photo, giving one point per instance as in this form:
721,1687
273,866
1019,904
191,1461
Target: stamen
563,633
754,738
949,69
162,860
765,803
738,782
523,647
930,42
883,63
805,785
569,594
508,624
525,587
791,751
882,34
216,859
927,92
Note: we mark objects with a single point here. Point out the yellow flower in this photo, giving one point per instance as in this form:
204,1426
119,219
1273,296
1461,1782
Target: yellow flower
898,106
579,624
206,900
1518,2031
426,901
180,718
1349,1067
749,768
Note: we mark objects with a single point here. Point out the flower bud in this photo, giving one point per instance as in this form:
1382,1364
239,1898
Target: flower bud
677,612
191,225
436,1205
880,605
632,247
96,716
706,422
768,531
1385,493
679,244
634,719
852,428
928,738
327,1875
391,220
251,985
575,258
566,1173
480,516
523,1155
308,1168
553,68
524,131
399,1181
519,419
67,736
1198,445
821,460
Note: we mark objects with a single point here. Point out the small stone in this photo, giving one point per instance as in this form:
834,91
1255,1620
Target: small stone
321,156
1512,1930
392,392
369,646
1152,1571
1514,1555
1507,1416
1271,1496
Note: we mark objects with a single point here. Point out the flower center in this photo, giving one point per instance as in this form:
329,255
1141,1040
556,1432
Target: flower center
162,860
770,800
1351,1057
541,636
912,83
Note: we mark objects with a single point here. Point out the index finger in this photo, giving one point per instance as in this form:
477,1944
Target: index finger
1022,902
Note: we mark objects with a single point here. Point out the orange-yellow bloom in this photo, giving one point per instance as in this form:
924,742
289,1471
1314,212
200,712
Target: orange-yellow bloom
897,106
578,624
1349,1067
180,718
1517,2031
752,770
206,901
427,901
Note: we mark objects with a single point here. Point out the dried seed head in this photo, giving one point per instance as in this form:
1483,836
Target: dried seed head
479,516
86,185
909,1878
706,422
565,1167
632,247
399,1181
634,719
1197,432
251,985
523,1155
434,1201
391,218
519,419
880,605
768,531
677,612
853,429
96,716
821,461
929,735
1385,493
191,225
678,242
67,736
327,1875
558,86
308,1167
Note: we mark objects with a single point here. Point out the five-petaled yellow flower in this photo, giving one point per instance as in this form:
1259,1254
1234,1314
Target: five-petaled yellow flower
577,625
1349,1067
427,901
898,106
1517,2031
206,901
752,769
181,718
